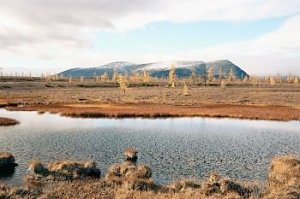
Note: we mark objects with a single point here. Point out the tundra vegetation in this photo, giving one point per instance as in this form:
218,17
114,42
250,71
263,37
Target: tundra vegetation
141,95
212,94
130,179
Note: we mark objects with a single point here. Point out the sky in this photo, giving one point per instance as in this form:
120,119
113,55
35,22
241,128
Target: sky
38,36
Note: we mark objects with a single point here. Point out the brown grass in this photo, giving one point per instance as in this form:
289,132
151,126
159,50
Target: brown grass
283,184
7,121
284,176
280,102
65,169
146,110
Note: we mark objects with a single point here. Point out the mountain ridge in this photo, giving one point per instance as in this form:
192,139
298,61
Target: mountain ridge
158,69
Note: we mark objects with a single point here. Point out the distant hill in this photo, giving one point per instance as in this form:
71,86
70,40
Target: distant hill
158,69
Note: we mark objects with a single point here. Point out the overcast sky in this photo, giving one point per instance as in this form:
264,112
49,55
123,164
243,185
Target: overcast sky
261,36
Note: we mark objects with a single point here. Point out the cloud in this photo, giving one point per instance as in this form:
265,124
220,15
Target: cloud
267,54
68,22
61,32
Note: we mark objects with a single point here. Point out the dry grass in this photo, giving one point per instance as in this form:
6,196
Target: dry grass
281,102
146,110
6,155
284,176
119,183
130,176
7,121
65,169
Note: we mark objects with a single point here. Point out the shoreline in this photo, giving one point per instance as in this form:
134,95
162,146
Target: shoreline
130,179
156,110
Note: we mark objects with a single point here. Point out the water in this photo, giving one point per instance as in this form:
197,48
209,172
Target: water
174,148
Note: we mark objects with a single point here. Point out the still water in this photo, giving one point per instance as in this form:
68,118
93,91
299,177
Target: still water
174,148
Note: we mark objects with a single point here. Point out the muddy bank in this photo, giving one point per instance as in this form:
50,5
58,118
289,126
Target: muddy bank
156,110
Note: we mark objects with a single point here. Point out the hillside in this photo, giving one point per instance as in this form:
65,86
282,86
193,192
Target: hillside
158,69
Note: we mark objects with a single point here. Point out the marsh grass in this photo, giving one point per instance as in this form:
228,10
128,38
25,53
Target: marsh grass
236,100
133,181
284,176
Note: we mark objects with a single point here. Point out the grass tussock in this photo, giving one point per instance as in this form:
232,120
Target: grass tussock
129,180
7,160
64,170
130,176
284,177
8,121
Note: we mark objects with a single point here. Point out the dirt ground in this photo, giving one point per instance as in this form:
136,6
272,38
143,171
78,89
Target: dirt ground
279,102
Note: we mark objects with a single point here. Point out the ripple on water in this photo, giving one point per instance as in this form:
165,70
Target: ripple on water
174,148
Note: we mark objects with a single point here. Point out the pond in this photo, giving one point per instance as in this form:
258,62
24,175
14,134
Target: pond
174,148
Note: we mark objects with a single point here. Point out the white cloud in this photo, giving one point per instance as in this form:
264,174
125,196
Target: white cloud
41,34
278,51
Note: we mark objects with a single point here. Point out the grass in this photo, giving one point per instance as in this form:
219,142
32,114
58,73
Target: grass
151,110
128,180
284,173
279,102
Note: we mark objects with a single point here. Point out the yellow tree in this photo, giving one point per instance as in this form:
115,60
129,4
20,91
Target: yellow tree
185,90
272,81
81,79
296,80
122,83
172,76
231,75
133,78
210,74
104,77
115,75
194,76
290,78
146,77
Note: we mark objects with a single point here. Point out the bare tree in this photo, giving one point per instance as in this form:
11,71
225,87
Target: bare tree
172,76
122,83
81,79
115,75
231,75
220,74
194,76
104,77
146,77
272,81
210,74
185,90
296,80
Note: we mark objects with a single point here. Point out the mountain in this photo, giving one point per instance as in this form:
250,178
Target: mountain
158,69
